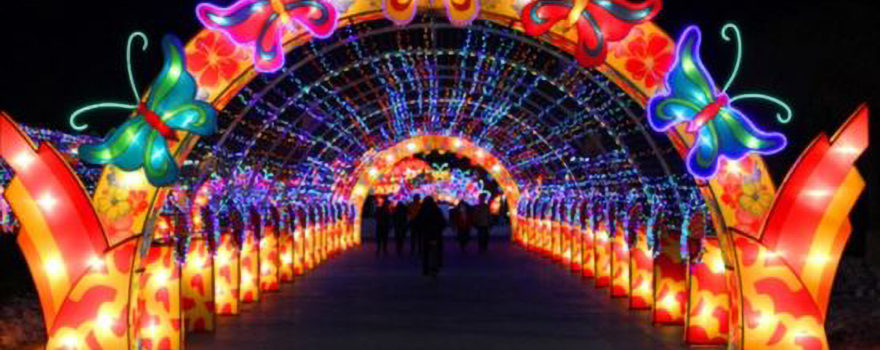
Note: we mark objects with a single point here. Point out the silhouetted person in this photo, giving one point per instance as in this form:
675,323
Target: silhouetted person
461,219
401,223
383,226
415,240
430,223
482,220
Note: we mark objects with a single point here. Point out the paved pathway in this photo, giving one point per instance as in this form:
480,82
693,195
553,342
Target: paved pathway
507,299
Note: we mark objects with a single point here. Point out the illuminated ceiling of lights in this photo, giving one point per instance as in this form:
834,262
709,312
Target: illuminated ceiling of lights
372,85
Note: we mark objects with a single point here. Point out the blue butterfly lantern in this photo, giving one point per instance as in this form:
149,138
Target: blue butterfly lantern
722,131
143,141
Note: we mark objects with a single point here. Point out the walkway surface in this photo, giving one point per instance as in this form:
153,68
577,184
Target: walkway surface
506,299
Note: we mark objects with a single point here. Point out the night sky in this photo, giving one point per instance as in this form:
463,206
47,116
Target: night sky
820,56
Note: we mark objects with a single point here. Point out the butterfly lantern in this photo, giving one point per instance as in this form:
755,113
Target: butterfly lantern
259,23
144,140
459,12
691,97
598,22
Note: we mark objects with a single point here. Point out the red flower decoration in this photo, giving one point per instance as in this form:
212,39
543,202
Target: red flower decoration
138,202
214,60
649,59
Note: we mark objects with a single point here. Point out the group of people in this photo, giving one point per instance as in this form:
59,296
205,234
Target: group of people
425,222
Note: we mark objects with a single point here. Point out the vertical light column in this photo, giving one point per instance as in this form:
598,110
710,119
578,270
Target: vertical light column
556,235
566,242
577,249
269,259
588,269
227,275
309,255
286,270
158,312
299,244
641,272
547,235
620,251
708,304
198,287
588,266
670,289
602,256
249,288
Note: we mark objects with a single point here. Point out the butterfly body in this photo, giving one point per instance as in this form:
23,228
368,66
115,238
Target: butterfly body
155,121
721,130
598,22
143,140
708,113
261,24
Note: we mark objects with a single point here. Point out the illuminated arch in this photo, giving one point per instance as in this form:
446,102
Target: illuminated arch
120,242
501,12
381,162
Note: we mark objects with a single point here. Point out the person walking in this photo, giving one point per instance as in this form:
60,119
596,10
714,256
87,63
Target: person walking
401,223
414,232
482,220
430,222
462,222
383,226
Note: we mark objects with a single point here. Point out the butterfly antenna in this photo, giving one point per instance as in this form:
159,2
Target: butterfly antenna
103,105
767,98
146,43
725,34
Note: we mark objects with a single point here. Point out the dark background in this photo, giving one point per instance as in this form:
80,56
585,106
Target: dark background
821,57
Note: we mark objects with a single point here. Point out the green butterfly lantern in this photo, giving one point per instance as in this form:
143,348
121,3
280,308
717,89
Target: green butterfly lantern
143,141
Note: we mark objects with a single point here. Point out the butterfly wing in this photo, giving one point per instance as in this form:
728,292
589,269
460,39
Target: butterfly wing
174,86
462,12
730,135
600,22
608,21
689,87
739,135
702,160
173,94
591,48
249,22
242,21
319,17
122,148
401,12
616,18
159,164
173,98
197,117
541,15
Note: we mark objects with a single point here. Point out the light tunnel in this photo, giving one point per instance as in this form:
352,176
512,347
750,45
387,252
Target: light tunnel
556,128
278,188
570,148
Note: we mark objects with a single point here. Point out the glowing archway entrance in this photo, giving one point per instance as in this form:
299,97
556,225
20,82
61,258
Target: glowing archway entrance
377,163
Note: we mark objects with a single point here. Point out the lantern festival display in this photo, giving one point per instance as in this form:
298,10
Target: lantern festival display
204,197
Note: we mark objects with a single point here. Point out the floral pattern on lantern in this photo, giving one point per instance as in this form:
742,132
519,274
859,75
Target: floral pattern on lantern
647,56
214,60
